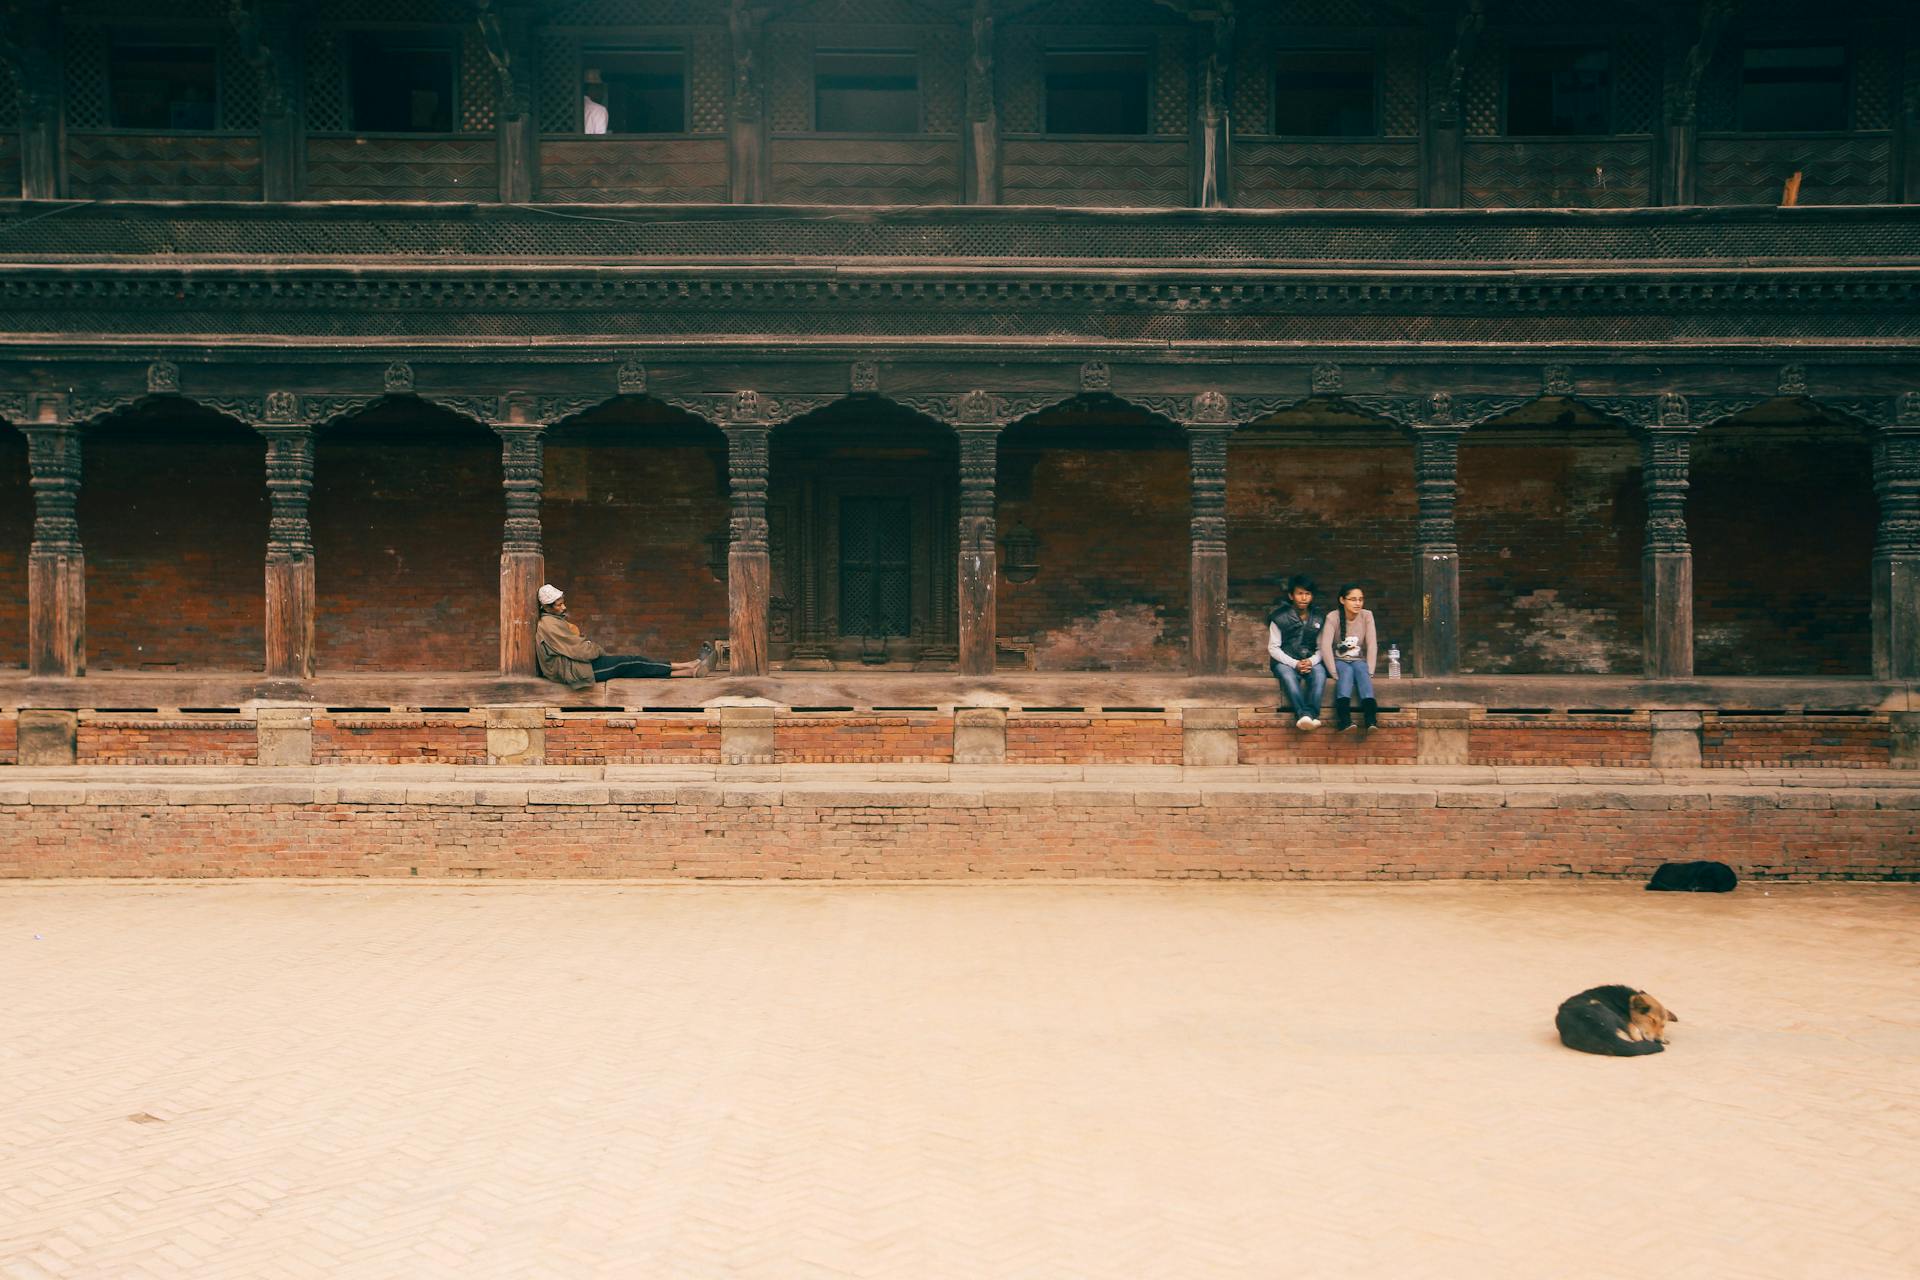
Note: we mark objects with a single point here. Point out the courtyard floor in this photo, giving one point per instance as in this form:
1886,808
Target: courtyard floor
1056,1080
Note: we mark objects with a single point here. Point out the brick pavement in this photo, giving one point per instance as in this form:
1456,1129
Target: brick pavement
325,1079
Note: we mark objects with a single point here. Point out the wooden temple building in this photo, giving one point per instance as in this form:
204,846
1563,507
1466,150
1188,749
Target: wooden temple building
982,337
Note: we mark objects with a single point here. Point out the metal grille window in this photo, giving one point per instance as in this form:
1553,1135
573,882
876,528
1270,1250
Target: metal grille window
400,85
865,91
1097,91
876,595
1325,93
637,91
1556,90
1793,88
162,86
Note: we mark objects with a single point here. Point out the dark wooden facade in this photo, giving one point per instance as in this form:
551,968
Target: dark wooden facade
879,388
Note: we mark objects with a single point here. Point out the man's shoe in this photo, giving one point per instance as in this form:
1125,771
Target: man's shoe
703,664
1313,722
1304,722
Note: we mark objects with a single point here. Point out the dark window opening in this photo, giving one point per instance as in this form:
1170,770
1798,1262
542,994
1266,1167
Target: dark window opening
863,91
876,543
1324,93
635,91
1787,88
1558,89
401,87
162,86
1097,91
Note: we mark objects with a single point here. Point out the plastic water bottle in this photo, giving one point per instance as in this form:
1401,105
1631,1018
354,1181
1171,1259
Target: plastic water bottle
1393,662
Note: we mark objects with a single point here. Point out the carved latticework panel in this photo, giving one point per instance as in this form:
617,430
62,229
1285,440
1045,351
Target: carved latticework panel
1636,83
1400,86
86,46
1504,174
478,84
1170,74
707,62
556,83
145,166
558,66
9,97
1719,105
1483,88
943,82
1021,78
789,79
326,104
1327,175
1873,85
1253,54
85,50
1752,170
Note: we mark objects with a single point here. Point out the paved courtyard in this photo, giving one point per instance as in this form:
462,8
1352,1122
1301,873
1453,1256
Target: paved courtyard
273,1079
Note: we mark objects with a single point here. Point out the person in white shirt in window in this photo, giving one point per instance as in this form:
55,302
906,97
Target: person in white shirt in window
596,112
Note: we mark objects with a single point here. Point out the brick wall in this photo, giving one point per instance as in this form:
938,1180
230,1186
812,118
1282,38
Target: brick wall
153,740
1781,519
173,515
9,740
16,534
627,521
1266,739
1111,523
1800,741
642,739
1303,832
1337,513
1550,538
399,740
1067,738
407,519
1623,742
850,739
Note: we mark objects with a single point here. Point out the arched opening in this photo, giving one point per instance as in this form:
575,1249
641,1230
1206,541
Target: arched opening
861,511
1321,490
173,516
635,518
1104,492
1781,515
1551,523
407,514
16,537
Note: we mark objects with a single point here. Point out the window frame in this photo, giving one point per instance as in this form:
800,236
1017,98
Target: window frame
166,37
1848,86
1145,52
1370,47
437,39
587,52
913,53
1608,47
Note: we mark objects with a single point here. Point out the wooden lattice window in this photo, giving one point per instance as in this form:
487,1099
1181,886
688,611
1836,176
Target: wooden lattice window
1099,91
400,83
642,90
1793,88
876,573
866,91
153,84
1559,90
1326,93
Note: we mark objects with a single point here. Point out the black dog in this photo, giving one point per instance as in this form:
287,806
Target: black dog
1693,877
1615,1021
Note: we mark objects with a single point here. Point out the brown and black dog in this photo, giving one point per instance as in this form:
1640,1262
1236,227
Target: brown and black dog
1615,1021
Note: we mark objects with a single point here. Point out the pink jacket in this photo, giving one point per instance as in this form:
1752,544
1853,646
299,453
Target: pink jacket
1361,626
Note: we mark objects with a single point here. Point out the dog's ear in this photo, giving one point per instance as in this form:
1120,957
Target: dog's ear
1672,1016
1639,1002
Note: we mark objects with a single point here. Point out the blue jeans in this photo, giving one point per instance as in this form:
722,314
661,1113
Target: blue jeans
1353,678
1303,691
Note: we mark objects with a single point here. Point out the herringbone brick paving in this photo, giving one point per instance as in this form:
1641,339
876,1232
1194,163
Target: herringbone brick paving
322,1080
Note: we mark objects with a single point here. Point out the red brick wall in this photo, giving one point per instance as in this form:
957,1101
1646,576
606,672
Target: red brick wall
632,740
627,520
851,739
1066,738
407,519
16,534
1616,743
157,741
1550,537
1111,523
1274,740
1800,741
9,740
173,515
397,740
1781,519
1337,513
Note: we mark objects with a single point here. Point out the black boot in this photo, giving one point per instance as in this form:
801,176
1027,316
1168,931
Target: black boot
1369,713
1342,714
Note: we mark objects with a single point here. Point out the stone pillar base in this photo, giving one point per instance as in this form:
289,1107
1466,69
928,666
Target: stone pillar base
1210,736
1676,739
980,735
1906,739
516,734
47,737
746,735
283,733
1440,732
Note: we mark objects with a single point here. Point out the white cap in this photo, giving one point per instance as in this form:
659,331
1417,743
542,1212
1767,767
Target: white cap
550,593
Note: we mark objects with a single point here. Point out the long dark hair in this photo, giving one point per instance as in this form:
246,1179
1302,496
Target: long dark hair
1341,608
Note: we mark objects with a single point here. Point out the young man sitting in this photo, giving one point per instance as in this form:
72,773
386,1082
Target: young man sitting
575,661
1293,652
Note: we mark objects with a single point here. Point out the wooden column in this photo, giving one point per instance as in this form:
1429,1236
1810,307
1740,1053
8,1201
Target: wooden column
56,565
980,183
1444,138
1667,562
1896,546
523,559
979,575
33,49
1207,627
504,29
747,114
1436,549
1212,110
1676,177
268,37
749,562
290,567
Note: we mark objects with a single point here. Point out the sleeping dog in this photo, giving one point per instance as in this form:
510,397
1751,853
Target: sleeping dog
1615,1021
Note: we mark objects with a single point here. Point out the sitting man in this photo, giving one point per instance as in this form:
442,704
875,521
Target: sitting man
575,661
1293,651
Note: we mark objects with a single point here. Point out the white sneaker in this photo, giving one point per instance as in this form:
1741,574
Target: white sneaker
1312,723
1306,722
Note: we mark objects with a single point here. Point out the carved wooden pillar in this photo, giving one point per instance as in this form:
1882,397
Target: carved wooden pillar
290,567
979,574
504,29
1667,561
1436,549
981,182
268,36
1207,628
1212,110
56,565
749,562
1896,546
1677,175
523,559
747,116
34,52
